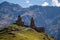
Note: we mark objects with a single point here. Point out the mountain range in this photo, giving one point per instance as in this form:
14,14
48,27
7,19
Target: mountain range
44,16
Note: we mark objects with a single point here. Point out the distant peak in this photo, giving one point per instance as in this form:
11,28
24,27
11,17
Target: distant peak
35,6
5,2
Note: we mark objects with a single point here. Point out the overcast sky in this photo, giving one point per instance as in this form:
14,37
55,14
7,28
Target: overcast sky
27,3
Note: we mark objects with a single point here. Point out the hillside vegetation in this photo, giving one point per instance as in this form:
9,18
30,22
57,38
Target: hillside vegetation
15,32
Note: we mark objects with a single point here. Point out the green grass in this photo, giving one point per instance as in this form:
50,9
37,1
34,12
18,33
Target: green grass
23,34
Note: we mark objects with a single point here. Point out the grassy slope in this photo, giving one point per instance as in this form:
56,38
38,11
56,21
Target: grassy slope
24,34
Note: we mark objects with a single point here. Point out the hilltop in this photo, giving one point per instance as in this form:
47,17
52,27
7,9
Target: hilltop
15,32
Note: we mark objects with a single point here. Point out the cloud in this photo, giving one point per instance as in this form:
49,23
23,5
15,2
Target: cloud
45,4
27,1
56,3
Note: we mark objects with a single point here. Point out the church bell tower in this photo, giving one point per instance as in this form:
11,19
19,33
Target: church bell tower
32,23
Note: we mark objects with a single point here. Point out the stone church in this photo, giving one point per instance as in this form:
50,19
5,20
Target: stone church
32,24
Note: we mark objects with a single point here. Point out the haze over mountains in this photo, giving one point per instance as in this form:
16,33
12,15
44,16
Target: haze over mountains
48,17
